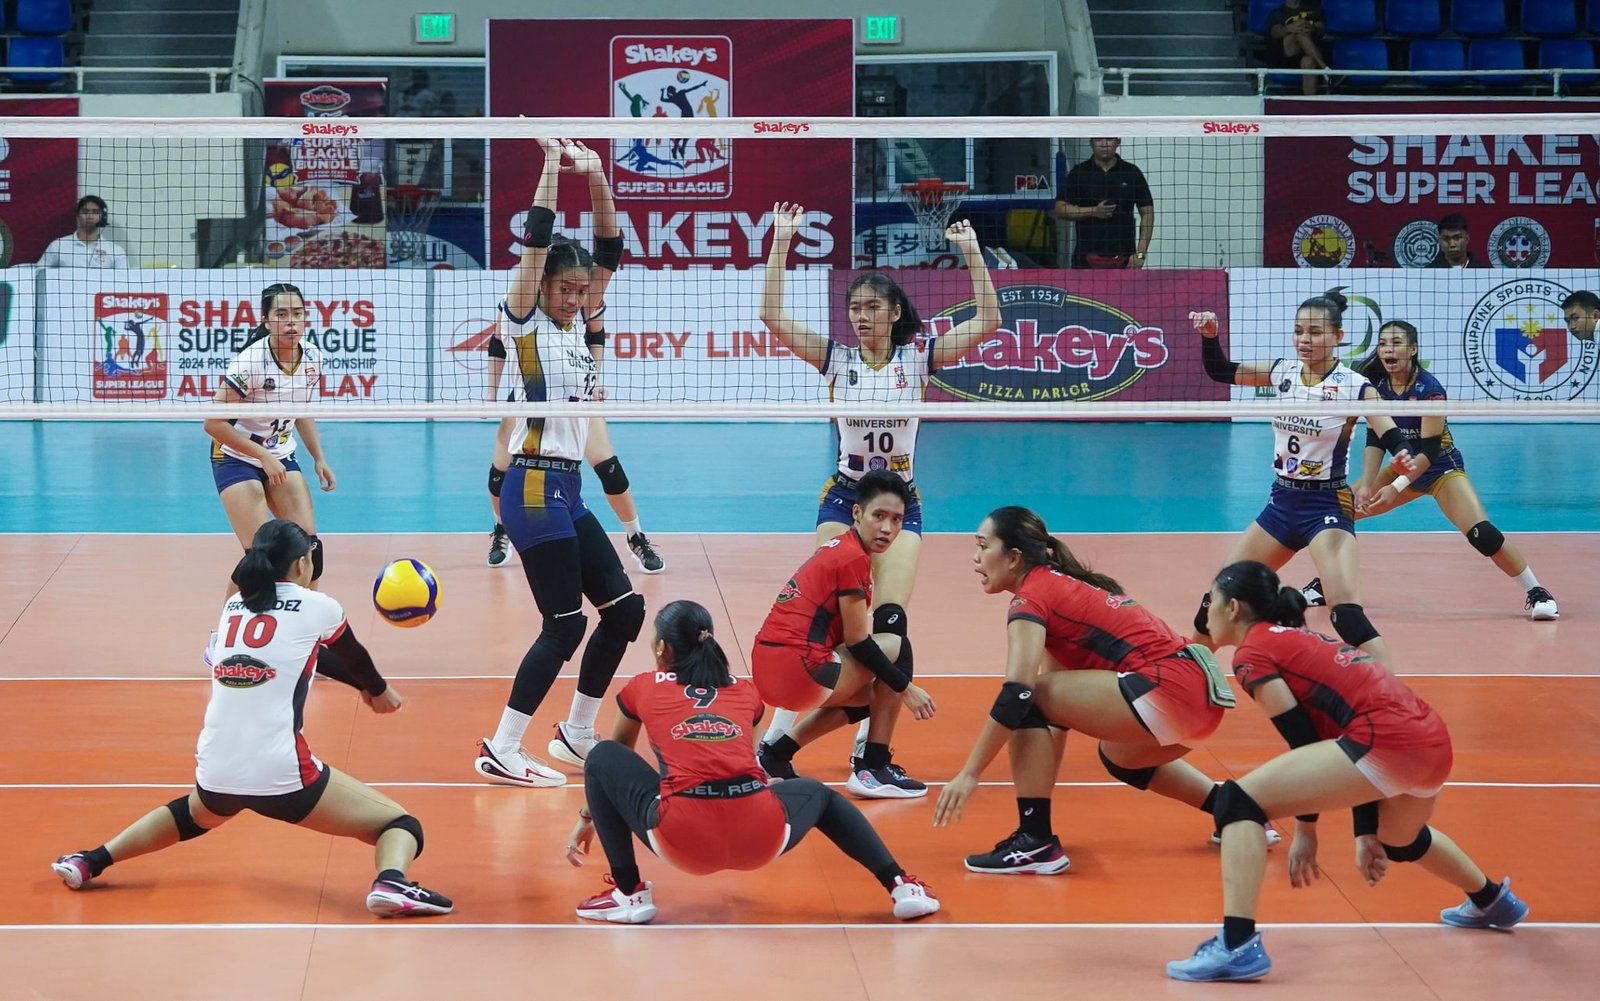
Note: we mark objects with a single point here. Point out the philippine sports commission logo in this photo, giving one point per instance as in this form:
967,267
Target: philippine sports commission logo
1519,242
1051,345
1517,346
1324,241
129,363
1417,244
672,76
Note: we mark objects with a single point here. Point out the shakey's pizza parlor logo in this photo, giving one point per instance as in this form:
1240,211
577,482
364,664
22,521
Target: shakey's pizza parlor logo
671,76
129,361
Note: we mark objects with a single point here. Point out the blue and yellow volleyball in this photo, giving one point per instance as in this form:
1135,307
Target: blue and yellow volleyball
683,76
406,594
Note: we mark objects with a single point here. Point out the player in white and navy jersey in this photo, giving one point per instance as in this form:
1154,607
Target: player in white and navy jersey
1312,505
566,556
252,755
878,367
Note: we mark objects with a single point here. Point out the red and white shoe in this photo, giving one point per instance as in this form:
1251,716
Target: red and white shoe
635,908
73,870
572,744
912,898
515,768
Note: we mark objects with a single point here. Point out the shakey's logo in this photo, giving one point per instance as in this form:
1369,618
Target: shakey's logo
671,77
130,364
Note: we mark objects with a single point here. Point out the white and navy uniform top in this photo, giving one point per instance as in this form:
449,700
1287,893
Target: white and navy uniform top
548,362
251,744
1313,449
257,376
866,442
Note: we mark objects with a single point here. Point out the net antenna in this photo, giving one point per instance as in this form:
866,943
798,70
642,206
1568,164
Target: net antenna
933,202
413,198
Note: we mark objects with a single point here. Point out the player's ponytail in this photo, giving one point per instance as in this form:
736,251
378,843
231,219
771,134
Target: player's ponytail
697,658
1264,597
565,254
1331,302
909,324
273,550
1022,530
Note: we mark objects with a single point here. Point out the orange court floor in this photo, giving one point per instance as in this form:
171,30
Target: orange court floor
102,694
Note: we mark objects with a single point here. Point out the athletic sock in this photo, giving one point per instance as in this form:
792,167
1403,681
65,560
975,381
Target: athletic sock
584,709
1237,931
508,735
1033,816
874,756
1485,895
99,860
631,528
1527,581
784,748
392,876
783,720
627,878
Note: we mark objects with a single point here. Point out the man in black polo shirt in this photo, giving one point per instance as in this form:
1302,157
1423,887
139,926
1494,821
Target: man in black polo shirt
1099,195
1453,252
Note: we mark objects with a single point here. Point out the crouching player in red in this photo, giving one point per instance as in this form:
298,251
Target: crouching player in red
1359,738
708,808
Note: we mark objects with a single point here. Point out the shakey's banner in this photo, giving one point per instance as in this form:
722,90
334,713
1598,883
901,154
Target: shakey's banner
680,201
1529,201
38,183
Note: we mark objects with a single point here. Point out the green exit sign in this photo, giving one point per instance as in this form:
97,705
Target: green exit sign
435,29
880,29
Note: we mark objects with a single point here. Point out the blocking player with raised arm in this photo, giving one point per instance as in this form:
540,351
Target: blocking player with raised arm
273,636
1358,738
1395,372
565,554
884,366
1312,506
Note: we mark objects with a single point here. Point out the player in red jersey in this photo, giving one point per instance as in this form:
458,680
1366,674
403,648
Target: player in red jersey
1359,738
816,649
708,808
1081,655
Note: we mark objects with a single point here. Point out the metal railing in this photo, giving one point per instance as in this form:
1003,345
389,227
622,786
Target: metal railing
1127,74
78,73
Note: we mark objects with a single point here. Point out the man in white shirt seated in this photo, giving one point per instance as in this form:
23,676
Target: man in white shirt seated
85,248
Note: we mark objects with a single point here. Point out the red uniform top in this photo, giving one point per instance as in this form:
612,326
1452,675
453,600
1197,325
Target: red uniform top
699,735
1345,692
1087,628
807,610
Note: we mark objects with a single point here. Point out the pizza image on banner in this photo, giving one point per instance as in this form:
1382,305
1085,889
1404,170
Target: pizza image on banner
671,76
129,361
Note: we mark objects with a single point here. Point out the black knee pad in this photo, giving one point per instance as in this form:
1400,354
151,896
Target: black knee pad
889,619
411,825
612,479
1139,778
1350,622
625,616
1485,538
1234,805
1415,850
497,480
563,634
856,714
188,830
1200,616
904,661
316,557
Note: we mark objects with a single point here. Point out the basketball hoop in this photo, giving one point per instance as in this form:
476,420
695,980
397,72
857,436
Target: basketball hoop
932,201
410,210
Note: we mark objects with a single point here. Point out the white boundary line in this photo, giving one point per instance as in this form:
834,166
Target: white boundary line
24,786
918,928
197,677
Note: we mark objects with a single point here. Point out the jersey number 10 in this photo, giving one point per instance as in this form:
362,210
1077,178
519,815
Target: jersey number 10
882,442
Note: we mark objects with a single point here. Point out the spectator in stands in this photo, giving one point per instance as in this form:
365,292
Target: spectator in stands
1100,195
1453,252
1582,310
85,247
1294,35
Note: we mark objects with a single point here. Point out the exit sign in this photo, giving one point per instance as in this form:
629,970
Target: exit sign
880,29
435,29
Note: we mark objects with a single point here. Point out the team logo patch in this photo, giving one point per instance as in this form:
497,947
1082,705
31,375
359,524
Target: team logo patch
1519,242
269,384
1517,346
707,727
1324,241
789,592
852,376
131,363
241,671
672,76
1417,244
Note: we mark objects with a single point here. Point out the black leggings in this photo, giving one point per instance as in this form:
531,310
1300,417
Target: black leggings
623,790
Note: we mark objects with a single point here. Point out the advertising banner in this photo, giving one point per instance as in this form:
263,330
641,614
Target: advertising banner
1342,201
38,182
680,201
16,334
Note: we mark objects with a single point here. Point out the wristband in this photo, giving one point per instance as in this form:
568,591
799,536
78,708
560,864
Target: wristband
1401,482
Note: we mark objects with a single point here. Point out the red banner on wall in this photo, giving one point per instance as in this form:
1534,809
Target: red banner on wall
1068,336
38,182
1529,201
680,201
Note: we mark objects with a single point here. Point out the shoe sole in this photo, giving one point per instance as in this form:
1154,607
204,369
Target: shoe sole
71,875
854,788
1226,976
502,563
1544,616
561,752
646,570
1031,869
487,768
385,906
617,916
921,910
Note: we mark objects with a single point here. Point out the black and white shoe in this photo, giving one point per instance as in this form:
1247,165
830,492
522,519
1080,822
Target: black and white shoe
1541,605
1022,854
392,899
887,782
1312,592
499,547
776,768
645,554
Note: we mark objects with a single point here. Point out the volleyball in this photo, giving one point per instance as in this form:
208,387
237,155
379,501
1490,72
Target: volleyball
406,593
683,76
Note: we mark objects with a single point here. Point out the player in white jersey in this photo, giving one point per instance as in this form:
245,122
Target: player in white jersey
251,754
884,366
1312,505
566,556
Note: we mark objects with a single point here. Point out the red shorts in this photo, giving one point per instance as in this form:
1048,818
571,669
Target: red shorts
1402,771
1178,709
701,836
786,676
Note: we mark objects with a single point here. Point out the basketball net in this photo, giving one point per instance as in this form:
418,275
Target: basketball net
932,201
410,210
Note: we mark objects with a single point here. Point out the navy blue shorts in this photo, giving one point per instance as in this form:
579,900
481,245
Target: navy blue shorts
1449,463
1295,517
836,504
229,470
539,505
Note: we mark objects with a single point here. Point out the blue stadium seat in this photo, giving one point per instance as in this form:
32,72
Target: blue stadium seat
1351,17
1497,54
1478,18
1260,11
1412,18
1594,15
1550,18
44,17
1362,54
34,50
1438,54
1569,53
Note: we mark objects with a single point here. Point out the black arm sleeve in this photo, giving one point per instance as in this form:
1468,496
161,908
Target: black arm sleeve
871,657
1394,441
1364,819
351,665
496,348
1429,446
1296,728
595,338
608,252
1216,362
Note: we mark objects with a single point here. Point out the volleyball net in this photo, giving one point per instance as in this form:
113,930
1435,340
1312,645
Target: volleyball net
403,267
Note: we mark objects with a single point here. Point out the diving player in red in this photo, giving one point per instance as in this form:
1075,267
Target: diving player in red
708,808
1359,738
